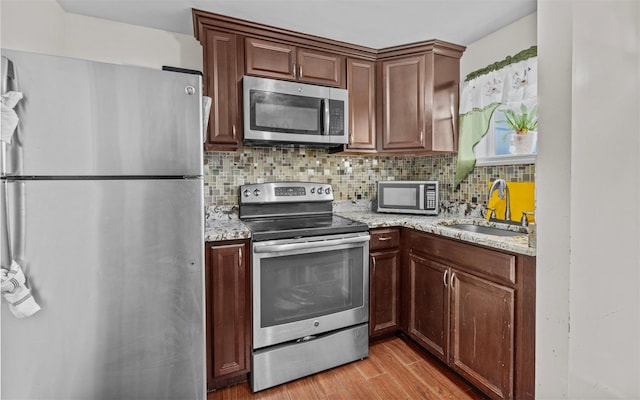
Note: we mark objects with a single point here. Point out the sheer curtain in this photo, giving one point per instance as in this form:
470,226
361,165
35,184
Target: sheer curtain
507,84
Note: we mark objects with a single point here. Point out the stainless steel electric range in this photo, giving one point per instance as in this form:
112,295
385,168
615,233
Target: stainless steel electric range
310,282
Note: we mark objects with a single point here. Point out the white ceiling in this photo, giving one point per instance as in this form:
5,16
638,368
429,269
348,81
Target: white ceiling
371,23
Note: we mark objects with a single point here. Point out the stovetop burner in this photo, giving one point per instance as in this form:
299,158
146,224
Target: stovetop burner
285,210
292,227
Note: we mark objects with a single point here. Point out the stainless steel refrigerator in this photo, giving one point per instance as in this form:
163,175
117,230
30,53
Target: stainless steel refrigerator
102,190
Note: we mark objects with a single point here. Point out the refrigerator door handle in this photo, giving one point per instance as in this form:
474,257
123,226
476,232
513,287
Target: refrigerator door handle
13,222
8,74
206,110
11,146
6,231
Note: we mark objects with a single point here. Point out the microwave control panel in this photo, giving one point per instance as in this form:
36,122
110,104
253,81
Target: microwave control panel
430,196
336,120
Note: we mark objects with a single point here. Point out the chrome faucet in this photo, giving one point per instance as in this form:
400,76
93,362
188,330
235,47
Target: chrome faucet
502,187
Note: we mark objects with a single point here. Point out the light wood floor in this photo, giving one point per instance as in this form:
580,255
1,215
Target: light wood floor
394,370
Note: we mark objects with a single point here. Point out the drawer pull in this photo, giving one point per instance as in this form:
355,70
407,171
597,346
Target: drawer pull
384,239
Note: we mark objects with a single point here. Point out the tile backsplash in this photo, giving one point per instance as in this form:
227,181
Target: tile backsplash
353,177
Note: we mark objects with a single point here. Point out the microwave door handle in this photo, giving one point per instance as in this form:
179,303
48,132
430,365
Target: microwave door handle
327,117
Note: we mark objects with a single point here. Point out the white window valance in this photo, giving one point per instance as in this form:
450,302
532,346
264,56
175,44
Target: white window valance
505,85
515,83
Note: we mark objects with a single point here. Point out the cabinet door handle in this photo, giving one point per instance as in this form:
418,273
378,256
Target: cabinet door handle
300,71
374,264
421,137
233,130
453,276
444,278
384,239
240,259
293,67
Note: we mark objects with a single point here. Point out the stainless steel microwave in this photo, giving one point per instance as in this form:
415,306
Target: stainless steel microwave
291,113
411,197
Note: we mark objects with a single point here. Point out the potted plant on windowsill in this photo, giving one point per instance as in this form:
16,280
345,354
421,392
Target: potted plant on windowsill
524,126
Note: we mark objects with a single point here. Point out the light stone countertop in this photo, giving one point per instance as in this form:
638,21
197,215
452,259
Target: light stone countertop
225,225
516,244
222,223
226,229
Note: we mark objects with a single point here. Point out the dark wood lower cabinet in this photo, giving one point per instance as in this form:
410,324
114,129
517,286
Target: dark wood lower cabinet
474,308
482,333
385,276
428,316
228,313
384,283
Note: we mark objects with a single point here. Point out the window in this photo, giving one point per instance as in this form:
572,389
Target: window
501,146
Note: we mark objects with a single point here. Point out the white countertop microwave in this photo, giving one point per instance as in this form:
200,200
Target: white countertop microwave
410,197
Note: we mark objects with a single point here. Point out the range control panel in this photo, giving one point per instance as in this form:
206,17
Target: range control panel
279,192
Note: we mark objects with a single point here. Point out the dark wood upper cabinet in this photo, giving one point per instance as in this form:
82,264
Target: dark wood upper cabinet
361,84
403,104
420,101
442,102
320,67
282,61
222,82
269,59
403,99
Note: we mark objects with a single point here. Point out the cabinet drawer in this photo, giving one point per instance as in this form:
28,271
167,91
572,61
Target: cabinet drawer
477,260
384,239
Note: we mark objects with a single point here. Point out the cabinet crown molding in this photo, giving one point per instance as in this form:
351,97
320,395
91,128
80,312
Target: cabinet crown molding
205,19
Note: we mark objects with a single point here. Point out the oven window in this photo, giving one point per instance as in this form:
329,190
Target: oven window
298,287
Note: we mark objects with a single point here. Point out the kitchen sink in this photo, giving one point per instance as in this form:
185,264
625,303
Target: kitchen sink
488,230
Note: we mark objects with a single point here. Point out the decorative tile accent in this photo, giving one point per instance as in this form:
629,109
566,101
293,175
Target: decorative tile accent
473,189
353,177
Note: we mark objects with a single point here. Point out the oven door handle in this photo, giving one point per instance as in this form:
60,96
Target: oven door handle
266,248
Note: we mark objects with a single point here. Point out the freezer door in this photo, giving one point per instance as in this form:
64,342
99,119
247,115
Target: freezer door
80,117
117,267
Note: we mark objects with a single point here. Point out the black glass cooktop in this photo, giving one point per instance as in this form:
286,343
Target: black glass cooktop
301,226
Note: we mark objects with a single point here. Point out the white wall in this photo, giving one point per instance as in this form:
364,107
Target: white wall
553,183
42,26
588,200
507,41
604,340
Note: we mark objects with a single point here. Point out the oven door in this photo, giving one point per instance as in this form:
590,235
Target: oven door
307,286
